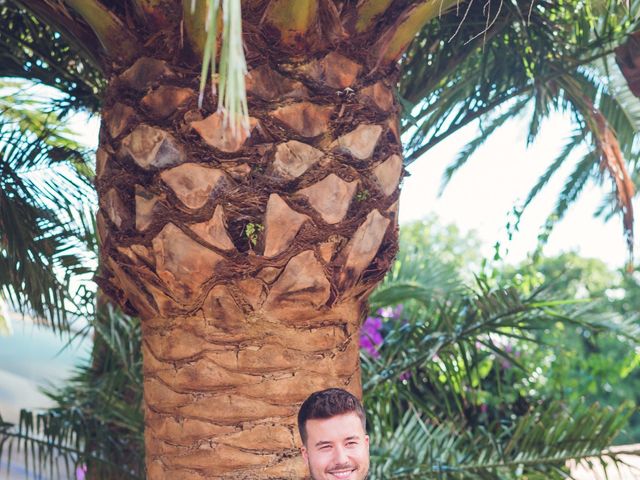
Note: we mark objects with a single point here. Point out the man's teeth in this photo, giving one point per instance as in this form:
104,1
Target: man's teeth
344,474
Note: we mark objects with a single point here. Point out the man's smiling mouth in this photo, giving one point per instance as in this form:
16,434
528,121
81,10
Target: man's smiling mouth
342,473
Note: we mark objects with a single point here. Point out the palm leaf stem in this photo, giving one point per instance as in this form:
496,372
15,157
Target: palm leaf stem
116,39
368,12
452,65
395,41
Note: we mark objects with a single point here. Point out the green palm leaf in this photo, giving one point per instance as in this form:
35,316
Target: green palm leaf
538,51
45,179
98,420
537,445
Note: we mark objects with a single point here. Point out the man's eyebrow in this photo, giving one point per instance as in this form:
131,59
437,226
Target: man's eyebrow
327,442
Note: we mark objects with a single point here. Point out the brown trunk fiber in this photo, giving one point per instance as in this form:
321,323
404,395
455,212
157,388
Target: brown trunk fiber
248,260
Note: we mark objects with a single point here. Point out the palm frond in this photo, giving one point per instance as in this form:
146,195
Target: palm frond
97,421
31,49
537,51
573,141
45,178
620,107
449,340
537,445
440,358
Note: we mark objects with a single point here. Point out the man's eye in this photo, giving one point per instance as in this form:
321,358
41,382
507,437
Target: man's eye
325,447
351,444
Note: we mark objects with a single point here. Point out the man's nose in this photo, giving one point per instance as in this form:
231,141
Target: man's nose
340,456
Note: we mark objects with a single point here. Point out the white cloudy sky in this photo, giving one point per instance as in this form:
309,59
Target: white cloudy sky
499,176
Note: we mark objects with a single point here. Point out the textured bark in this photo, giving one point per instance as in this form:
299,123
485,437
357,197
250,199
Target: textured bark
249,260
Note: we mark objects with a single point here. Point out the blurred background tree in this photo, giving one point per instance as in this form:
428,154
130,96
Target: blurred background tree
489,354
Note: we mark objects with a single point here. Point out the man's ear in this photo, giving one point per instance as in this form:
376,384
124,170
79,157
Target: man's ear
305,455
366,440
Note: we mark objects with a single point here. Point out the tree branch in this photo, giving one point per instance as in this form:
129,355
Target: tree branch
116,39
368,11
194,24
292,18
397,38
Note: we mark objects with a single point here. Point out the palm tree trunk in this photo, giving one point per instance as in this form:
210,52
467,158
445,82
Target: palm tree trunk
249,261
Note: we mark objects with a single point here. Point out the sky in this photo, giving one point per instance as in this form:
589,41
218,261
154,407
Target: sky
498,177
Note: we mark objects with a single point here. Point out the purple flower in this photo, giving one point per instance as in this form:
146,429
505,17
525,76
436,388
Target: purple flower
372,324
406,375
81,472
370,336
369,347
484,408
391,312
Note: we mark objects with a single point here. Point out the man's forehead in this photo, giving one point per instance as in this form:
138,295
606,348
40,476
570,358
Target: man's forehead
336,428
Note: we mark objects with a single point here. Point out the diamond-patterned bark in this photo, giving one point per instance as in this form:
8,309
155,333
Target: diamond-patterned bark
216,133
268,85
361,142
334,70
118,118
152,147
145,72
379,94
182,263
306,119
145,205
331,197
363,246
293,158
163,101
281,225
102,162
214,230
115,208
388,174
193,184
247,258
303,284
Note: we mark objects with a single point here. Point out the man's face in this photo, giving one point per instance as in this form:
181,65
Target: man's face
337,448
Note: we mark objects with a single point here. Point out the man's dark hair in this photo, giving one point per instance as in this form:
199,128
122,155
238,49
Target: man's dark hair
326,404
